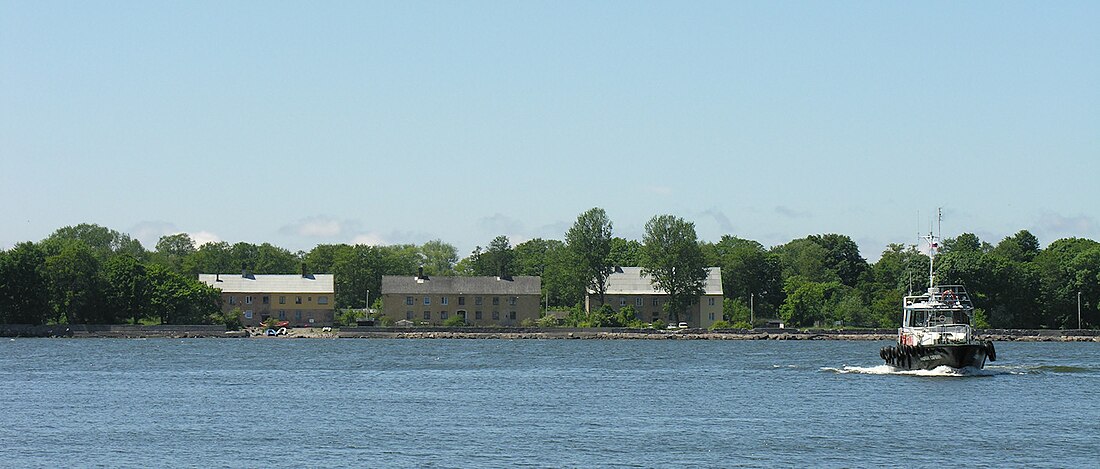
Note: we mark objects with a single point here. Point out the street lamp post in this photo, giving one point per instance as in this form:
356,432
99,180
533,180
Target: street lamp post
1079,310
752,309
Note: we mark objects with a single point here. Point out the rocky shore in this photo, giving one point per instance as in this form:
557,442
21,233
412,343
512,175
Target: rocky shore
129,331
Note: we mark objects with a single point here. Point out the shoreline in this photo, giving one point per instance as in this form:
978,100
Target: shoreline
519,333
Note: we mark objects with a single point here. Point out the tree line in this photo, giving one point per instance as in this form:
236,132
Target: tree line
92,274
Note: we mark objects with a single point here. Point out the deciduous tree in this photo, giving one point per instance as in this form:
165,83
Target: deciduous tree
673,260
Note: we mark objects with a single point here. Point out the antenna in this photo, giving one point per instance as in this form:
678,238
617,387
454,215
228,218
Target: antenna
939,222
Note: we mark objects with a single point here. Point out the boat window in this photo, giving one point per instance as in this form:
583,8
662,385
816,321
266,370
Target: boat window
919,318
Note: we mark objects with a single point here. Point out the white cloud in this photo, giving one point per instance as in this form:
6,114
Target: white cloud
203,237
500,224
317,227
1054,226
369,239
149,232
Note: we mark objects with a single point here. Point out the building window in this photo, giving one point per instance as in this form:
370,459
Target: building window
309,299
282,300
322,300
656,316
442,315
512,300
409,315
712,316
512,315
462,301
638,302
232,300
297,315
267,300
248,314
462,314
710,301
409,300
248,300
656,302
427,315
443,300
477,315
282,315
496,315
622,302
427,300
496,300
298,301
477,300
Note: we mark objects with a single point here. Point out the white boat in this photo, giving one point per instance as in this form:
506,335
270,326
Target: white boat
935,328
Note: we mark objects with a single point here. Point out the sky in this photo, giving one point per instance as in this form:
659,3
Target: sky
301,123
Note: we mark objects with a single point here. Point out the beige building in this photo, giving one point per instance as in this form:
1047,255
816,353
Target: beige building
482,301
301,300
629,287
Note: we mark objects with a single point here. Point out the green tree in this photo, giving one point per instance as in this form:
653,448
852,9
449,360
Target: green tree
104,242
625,253
498,260
748,270
356,271
320,259
673,259
76,291
439,257
171,251
23,285
1020,247
399,259
589,239
807,301
805,258
127,288
180,300
211,258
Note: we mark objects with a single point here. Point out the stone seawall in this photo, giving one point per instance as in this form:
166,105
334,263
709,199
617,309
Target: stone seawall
605,333
111,330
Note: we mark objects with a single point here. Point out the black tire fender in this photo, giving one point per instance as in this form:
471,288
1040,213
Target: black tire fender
990,351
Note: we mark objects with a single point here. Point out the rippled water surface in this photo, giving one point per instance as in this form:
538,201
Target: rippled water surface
552,403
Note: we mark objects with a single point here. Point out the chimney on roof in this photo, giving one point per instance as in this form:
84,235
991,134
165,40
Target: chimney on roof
217,277
244,270
305,273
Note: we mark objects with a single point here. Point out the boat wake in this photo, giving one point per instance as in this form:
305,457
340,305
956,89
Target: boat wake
941,371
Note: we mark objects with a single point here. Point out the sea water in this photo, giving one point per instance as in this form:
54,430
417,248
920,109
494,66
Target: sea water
537,403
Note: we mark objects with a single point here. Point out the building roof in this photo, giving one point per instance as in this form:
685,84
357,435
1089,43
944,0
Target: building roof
631,282
518,285
235,283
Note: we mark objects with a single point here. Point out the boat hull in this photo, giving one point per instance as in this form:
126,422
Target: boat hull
929,357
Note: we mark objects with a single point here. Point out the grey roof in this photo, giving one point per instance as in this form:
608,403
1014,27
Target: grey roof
235,283
518,285
631,282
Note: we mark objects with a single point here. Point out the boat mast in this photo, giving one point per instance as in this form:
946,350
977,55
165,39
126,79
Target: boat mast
932,246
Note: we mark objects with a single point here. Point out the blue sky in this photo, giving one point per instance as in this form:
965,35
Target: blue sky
399,122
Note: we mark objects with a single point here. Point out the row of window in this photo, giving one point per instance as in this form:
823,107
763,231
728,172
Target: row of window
282,315
639,302
321,300
443,300
443,315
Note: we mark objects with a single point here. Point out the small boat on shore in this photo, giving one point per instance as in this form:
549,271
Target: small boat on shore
935,328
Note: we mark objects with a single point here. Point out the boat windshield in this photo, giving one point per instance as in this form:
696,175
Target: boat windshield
935,317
